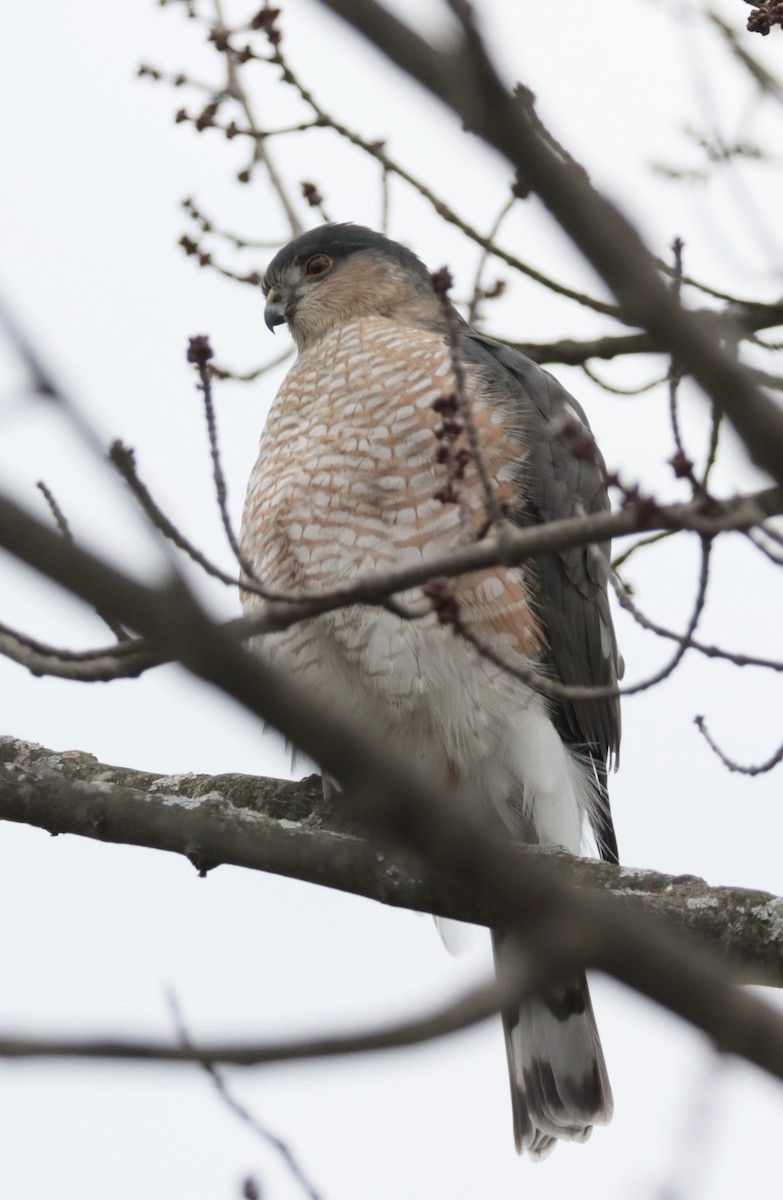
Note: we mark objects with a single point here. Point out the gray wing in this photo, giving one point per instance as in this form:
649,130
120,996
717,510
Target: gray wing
561,476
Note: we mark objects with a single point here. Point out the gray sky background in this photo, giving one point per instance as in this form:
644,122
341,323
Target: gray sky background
91,935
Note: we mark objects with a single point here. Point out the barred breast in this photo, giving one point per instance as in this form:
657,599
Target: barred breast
346,481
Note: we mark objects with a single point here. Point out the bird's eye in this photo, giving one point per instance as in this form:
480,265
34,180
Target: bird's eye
317,265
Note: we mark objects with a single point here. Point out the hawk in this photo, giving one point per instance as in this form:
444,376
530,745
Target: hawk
364,464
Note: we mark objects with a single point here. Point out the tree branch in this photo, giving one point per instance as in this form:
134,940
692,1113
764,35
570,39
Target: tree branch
289,829
476,1005
22,534
741,318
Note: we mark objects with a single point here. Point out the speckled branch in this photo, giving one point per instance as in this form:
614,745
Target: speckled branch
287,828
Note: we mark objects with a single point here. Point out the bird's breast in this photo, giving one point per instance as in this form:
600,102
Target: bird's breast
349,480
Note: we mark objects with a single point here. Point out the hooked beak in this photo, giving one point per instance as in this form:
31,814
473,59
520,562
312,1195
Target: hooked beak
274,312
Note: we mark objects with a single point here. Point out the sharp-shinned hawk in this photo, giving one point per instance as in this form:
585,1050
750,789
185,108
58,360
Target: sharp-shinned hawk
358,469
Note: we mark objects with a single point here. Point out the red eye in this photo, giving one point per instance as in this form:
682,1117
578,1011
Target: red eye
317,265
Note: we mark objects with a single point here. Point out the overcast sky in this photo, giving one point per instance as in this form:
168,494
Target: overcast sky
93,172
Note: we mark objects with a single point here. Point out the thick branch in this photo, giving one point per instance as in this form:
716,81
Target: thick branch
288,829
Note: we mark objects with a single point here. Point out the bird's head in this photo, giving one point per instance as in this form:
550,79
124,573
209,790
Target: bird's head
337,273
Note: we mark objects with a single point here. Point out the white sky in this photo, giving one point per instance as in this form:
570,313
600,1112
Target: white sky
90,935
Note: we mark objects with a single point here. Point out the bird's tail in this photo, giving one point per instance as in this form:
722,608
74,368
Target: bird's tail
559,1083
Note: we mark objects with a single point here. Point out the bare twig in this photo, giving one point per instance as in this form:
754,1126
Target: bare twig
125,461
127,660
691,643
205,259
622,391
755,537
261,152
207,120
233,1105
684,642
257,372
61,521
712,449
640,544
477,295
441,282
764,80
199,353
760,769
769,531
207,225
58,514
312,195
682,464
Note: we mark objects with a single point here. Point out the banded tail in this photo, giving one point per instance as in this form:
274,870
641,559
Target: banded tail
559,1082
